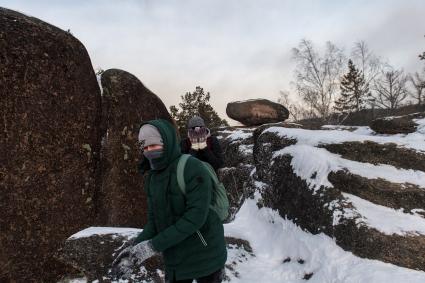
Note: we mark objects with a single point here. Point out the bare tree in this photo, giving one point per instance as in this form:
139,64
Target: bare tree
297,111
391,89
418,83
317,77
367,62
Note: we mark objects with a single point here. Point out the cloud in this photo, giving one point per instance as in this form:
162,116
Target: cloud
236,50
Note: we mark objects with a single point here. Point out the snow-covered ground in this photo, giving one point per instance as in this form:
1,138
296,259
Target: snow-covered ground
274,239
336,134
384,219
283,252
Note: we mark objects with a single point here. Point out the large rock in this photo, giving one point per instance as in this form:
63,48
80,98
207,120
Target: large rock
341,205
237,146
288,161
92,251
256,112
375,153
397,125
126,102
49,147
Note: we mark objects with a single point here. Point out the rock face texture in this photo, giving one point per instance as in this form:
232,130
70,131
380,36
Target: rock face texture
68,156
397,125
327,181
92,253
257,112
49,147
126,102
237,145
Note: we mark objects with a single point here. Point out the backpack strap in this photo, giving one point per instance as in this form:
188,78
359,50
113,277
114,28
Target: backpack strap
180,172
211,172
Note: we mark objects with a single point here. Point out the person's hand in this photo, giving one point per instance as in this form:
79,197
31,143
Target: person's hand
122,269
142,251
122,266
198,137
125,253
202,141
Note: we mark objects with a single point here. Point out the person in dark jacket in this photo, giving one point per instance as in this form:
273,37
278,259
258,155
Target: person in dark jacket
183,228
201,144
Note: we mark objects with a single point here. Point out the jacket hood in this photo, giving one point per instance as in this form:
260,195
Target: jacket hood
171,142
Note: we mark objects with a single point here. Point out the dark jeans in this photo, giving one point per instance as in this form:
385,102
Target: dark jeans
215,277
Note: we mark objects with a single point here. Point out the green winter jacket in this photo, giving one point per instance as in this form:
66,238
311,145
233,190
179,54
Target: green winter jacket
182,227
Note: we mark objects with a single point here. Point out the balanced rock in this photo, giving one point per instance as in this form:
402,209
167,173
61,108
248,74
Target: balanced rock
49,146
256,112
126,102
397,125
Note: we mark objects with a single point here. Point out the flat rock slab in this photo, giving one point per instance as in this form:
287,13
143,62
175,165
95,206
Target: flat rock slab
257,112
396,125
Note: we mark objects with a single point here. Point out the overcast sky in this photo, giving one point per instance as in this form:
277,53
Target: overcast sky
236,50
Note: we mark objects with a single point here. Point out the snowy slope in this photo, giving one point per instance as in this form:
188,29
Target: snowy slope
274,239
385,220
285,253
282,251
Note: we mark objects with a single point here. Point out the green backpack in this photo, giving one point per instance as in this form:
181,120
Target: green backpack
220,203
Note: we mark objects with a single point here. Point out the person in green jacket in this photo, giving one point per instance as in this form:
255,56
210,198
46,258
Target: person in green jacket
182,227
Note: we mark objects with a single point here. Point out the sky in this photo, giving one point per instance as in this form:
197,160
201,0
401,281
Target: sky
234,49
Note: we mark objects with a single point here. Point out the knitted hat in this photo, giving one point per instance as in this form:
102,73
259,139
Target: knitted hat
149,135
195,121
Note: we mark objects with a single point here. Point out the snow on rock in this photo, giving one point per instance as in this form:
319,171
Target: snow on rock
387,220
326,162
91,231
311,174
286,253
414,140
239,135
397,124
99,82
421,125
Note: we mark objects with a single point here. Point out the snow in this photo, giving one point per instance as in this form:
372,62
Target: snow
316,173
414,140
124,232
275,239
314,164
246,149
421,125
387,220
99,82
359,130
283,252
239,135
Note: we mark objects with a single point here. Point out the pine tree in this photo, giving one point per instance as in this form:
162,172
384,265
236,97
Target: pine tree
196,103
353,91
